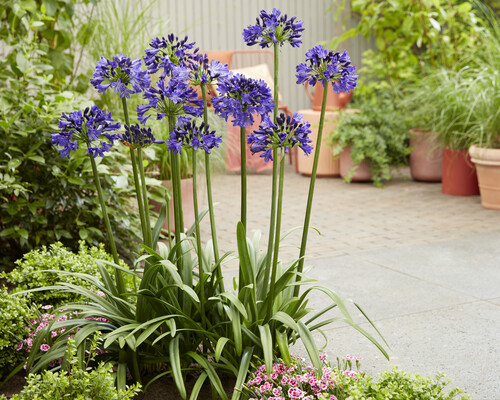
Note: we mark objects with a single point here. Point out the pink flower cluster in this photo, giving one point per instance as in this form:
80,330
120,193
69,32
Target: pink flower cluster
36,325
298,380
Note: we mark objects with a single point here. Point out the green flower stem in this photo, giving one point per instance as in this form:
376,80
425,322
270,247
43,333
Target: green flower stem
208,177
243,150
119,278
135,171
307,219
198,242
275,179
149,241
175,188
278,230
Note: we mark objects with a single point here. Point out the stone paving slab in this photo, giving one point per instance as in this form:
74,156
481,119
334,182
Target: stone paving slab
470,265
460,341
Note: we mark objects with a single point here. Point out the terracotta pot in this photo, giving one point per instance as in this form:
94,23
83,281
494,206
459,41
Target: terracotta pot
327,165
362,173
488,173
459,174
187,204
334,101
426,158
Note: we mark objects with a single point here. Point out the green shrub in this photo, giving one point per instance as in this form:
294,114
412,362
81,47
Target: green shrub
30,274
43,197
15,315
77,383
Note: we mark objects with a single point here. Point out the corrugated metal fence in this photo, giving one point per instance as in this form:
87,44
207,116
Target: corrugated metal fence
218,25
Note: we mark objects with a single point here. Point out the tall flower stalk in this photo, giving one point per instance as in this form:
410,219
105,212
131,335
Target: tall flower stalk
273,29
323,66
240,98
126,77
202,72
279,137
188,134
91,127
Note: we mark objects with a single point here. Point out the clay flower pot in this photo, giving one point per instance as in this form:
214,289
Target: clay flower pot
459,174
362,173
334,101
488,172
426,158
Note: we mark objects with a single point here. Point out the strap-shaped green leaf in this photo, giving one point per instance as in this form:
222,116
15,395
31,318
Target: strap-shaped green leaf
175,363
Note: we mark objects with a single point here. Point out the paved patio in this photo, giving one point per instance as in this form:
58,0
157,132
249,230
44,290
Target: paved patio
424,266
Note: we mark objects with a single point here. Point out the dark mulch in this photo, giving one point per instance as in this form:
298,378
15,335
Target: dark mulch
14,385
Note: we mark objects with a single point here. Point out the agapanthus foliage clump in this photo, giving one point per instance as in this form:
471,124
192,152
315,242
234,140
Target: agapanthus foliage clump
170,99
136,136
189,134
202,71
287,132
328,66
166,53
90,127
273,28
121,74
240,97
299,380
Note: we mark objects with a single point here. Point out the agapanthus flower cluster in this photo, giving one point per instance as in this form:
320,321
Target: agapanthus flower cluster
286,133
170,99
137,137
121,74
298,380
328,66
189,134
90,127
274,28
201,71
166,53
240,97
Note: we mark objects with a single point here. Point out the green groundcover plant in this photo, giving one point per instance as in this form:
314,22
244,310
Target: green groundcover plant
182,318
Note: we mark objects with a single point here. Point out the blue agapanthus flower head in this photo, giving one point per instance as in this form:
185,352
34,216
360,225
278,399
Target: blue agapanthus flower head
328,66
286,133
121,74
137,137
166,53
170,99
188,134
92,127
202,71
273,28
241,97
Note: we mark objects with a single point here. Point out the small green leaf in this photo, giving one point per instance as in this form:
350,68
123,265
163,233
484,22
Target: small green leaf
84,233
380,43
435,24
22,63
23,233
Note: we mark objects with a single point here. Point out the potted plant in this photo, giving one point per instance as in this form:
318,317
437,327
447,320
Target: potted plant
485,153
448,105
369,143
